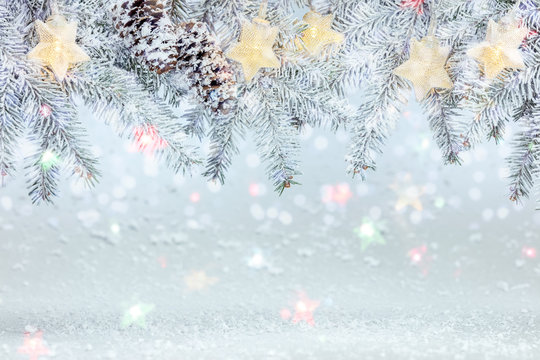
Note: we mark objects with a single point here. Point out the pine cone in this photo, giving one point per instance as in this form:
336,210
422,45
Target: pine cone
206,67
148,30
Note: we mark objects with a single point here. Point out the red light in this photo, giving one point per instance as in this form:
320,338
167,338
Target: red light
340,194
45,110
529,252
415,4
147,140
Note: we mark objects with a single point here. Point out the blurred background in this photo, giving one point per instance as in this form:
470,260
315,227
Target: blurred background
421,261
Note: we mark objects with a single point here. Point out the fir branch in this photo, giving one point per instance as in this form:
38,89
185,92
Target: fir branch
115,95
441,110
525,159
223,136
41,181
276,139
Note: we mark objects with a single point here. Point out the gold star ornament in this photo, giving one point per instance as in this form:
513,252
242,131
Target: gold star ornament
425,67
319,34
57,48
254,50
500,50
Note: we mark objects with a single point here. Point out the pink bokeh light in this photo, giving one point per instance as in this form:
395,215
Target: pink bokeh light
415,4
147,140
254,189
45,110
339,194
33,346
195,197
529,252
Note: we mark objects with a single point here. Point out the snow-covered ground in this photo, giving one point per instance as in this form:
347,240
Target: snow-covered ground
421,261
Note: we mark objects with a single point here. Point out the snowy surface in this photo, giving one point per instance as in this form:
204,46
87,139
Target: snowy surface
445,269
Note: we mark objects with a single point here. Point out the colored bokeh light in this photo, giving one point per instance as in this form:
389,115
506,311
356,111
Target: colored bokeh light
339,194
49,159
415,4
195,197
304,309
136,315
417,254
198,280
408,194
529,252
45,110
254,189
420,258
370,234
33,346
147,140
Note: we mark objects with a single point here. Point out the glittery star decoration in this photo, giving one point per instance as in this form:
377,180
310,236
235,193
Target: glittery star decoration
137,315
254,50
500,50
57,48
425,67
408,194
33,346
369,234
319,34
198,280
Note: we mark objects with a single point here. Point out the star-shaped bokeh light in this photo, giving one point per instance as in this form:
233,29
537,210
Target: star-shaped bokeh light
319,33
147,140
304,308
408,194
339,194
370,234
254,50
198,280
57,48
500,50
33,346
136,315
